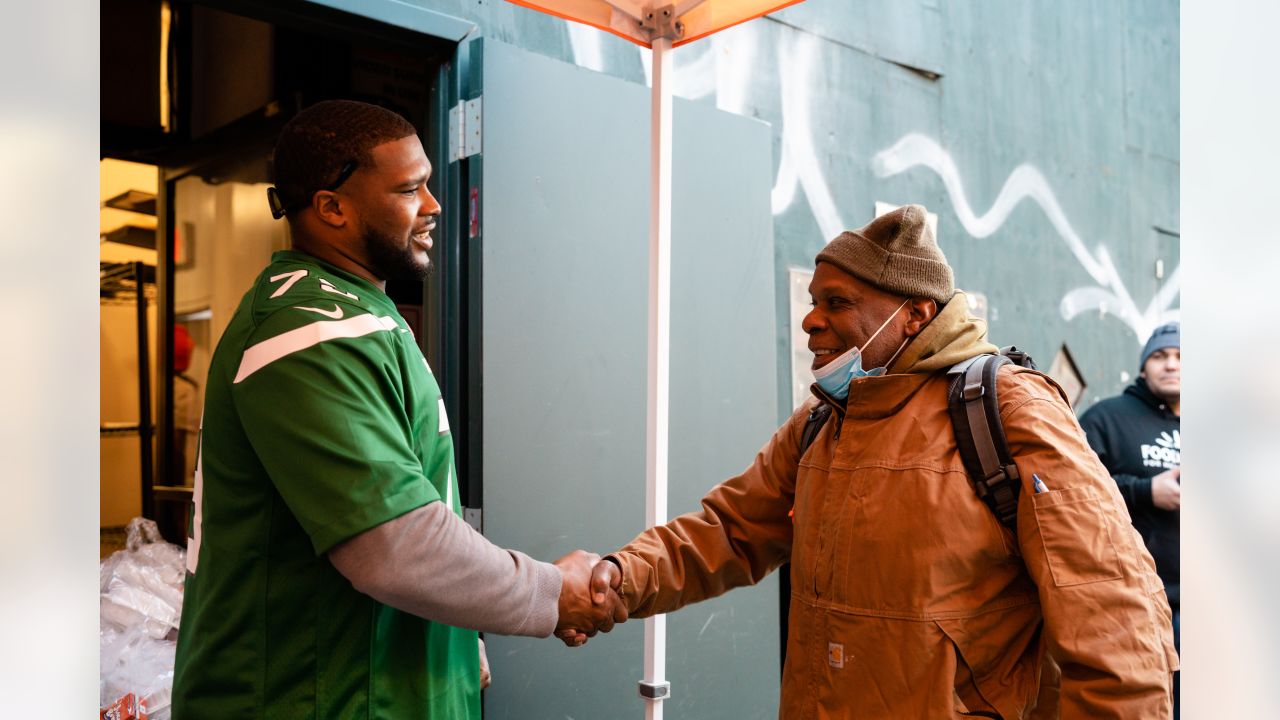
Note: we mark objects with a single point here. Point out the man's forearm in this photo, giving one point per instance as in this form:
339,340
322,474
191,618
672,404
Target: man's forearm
695,557
430,563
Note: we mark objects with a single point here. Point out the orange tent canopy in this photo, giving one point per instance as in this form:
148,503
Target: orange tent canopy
635,20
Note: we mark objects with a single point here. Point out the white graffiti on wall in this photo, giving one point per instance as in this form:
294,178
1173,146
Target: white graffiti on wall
723,66
724,69
799,163
799,167
1028,183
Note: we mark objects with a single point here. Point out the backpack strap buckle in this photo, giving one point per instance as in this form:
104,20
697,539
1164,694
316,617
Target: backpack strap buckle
973,390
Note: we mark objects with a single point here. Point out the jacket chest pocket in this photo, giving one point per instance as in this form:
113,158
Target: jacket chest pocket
1076,537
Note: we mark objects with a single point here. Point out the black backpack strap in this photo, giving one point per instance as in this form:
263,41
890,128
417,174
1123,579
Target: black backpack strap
817,418
975,418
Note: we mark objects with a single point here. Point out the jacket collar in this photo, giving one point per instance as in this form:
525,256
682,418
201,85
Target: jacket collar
825,398
951,337
874,397
878,397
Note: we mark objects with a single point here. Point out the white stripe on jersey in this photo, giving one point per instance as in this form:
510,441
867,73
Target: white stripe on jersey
193,542
268,351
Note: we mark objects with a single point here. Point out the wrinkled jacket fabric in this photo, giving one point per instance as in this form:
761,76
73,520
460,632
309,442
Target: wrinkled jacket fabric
909,599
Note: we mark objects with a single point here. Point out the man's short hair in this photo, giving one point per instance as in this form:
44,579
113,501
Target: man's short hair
318,143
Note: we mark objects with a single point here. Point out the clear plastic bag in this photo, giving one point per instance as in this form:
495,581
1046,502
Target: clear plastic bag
140,532
132,661
141,606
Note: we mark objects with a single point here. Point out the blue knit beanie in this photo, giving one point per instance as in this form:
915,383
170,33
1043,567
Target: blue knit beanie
1166,336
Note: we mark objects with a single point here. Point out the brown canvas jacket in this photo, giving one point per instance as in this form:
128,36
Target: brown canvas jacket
909,599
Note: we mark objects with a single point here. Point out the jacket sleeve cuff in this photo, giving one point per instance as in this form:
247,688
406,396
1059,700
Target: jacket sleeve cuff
634,578
544,611
1142,491
1135,490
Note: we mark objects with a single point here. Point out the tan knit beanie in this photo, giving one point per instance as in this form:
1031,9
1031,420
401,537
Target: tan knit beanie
897,253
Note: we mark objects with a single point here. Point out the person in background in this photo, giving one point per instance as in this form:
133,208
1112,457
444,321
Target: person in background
1137,437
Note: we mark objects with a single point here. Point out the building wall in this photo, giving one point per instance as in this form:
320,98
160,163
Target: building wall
1043,135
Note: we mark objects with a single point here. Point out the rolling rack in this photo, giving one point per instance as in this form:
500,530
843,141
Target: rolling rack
135,284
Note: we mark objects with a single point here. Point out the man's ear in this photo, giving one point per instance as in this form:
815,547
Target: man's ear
330,208
920,311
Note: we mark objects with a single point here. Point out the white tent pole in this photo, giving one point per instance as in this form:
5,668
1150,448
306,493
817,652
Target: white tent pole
655,628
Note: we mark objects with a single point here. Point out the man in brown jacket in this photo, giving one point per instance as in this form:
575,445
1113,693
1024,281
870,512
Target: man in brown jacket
909,599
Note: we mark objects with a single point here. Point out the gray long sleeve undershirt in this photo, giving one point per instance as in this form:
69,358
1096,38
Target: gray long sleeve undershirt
430,563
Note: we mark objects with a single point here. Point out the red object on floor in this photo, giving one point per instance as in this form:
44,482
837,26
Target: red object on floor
128,707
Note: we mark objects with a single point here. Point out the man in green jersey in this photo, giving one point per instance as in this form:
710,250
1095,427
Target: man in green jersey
330,573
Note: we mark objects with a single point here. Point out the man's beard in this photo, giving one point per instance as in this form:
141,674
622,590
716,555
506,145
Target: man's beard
394,260
1163,393
1170,397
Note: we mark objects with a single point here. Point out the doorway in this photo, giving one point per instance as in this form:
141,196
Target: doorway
194,95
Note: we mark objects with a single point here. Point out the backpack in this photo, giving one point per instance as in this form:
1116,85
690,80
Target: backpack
975,418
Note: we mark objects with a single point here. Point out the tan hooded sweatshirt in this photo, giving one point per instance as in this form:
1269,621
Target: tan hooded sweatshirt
909,599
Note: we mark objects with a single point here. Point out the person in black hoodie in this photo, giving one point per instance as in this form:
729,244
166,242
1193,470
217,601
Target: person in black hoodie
1136,435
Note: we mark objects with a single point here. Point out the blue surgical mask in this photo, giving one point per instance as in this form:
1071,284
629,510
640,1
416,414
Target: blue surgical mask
835,376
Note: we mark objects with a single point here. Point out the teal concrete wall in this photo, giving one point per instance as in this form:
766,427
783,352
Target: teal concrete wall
1043,134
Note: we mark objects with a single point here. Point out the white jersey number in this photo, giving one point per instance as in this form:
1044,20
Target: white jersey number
294,277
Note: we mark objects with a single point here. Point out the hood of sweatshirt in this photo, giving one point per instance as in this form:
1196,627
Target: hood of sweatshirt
954,335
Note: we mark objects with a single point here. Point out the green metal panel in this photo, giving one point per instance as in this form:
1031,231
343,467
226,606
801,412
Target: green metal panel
722,655
565,223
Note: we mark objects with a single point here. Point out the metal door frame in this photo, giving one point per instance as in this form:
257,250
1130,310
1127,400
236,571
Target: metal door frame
451,296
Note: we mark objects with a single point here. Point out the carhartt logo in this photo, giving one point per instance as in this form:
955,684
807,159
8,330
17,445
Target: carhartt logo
335,313
835,655
1164,452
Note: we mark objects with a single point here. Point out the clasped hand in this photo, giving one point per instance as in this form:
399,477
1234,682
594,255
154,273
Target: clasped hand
589,599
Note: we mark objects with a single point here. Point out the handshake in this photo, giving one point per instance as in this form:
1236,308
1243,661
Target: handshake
589,599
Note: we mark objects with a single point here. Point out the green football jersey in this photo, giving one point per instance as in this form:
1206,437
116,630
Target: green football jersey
322,420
